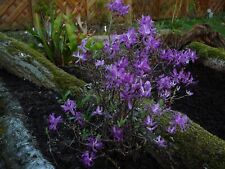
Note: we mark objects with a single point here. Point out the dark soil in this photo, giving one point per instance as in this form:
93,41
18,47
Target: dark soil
38,103
206,107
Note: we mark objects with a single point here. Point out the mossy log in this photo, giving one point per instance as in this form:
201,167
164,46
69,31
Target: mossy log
19,59
195,148
210,56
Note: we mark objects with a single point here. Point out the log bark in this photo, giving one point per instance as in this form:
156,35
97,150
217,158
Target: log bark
194,149
201,33
210,56
19,59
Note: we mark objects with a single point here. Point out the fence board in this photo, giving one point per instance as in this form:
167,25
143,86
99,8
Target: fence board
16,14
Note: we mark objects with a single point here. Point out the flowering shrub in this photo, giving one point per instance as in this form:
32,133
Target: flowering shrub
137,83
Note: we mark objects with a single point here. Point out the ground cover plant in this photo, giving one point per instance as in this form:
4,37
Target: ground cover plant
56,34
135,83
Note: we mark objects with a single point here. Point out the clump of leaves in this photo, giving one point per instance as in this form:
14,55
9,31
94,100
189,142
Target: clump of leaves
58,36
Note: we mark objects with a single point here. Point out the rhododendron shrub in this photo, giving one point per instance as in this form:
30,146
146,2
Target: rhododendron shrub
136,85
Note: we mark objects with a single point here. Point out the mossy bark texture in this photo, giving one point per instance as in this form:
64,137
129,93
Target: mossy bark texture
194,149
210,56
21,60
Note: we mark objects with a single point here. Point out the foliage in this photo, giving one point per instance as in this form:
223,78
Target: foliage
137,81
56,34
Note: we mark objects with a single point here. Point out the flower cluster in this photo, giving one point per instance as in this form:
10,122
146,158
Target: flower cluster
119,7
137,82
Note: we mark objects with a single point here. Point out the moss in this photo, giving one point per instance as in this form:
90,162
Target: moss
205,51
196,148
63,80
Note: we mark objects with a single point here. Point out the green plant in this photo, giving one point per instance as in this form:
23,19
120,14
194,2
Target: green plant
57,35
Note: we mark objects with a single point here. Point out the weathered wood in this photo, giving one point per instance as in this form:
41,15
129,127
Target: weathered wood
210,56
202,33
21,60
194,149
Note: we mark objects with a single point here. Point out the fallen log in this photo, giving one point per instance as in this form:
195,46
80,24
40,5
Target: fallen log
201,33
19,59
210,56
17,146
195,148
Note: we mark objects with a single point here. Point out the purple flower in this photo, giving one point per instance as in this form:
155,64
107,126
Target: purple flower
79,118
161,142
82,47
95,144
150,124
189,93
171,129
111,48
165,82
99,63
146,89
164,94
117,133
69,106
156,109
88,158
118,7
98,111
151,42
80,56
178,58
54,121
146,26
130,38
182,77
142,66
181,121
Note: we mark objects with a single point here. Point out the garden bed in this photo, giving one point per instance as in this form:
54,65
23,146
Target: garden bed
206,107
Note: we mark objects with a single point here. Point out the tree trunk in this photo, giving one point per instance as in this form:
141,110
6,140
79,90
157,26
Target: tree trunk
195,148
210,56
19,59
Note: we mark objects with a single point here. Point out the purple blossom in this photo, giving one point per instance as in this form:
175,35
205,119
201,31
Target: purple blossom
146,89
182,77
156,109
80,55
117,133
161,142
178,57
165,82
54,121
142,66
171,129
146,26
112,47
95,144
189,93
151,42
69,106
181,121
82,47
119,7
79,118
99,63
98,111
164,94
88,158
150,124
129,38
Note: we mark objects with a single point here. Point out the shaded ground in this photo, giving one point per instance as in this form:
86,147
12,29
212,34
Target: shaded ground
206,107
38,103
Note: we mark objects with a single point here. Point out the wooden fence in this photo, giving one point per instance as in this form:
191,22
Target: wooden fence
17,14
